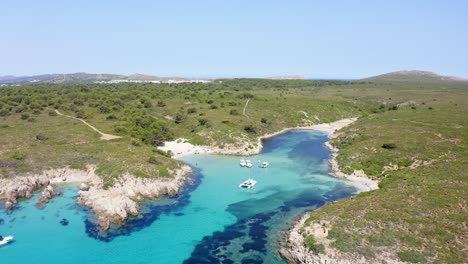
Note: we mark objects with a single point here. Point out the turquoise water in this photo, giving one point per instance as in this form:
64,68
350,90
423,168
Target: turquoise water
210,221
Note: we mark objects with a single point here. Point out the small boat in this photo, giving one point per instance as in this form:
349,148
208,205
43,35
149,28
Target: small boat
248,164
248,184
5,240
264,164
242,163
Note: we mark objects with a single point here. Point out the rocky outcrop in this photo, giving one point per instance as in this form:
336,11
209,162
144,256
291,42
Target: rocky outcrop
84,187
112,206
295,251
23,187
116,204
46,195
293,248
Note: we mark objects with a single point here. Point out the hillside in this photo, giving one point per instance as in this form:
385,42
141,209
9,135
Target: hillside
414,76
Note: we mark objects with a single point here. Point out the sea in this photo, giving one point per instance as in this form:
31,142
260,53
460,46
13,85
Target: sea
211,220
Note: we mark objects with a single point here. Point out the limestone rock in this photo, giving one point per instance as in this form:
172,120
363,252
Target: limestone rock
47,194
84,187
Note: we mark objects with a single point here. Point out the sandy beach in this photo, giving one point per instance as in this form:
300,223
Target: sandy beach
181,146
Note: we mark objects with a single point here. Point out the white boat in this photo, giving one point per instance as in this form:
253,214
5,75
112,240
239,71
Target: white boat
264,164
5,240
248,164
242,163
248,184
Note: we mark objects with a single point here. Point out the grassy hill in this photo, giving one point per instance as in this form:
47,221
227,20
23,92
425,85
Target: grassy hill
418,151
415,76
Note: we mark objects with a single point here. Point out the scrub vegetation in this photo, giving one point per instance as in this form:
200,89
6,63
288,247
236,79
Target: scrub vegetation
418,151
35,137
410,135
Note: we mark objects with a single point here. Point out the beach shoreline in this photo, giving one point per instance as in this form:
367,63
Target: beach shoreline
181,147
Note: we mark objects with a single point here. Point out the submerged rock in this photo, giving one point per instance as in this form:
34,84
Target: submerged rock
64,222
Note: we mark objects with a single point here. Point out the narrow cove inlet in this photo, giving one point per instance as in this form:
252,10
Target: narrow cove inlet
211,220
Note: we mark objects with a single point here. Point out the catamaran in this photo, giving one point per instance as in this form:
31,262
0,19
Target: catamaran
248,164
248,184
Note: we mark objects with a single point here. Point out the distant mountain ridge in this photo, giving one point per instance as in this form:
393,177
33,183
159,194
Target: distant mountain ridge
414,76
82,77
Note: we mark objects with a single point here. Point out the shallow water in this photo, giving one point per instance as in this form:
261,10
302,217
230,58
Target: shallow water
210,221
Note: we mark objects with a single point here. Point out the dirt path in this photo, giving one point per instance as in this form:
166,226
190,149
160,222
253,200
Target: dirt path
304,113
245,107
104,136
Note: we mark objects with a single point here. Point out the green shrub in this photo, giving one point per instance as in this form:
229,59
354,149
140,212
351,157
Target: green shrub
153,160
179,118
111,117
315,247
163,172
250,129
202,121
411,256
41,137
389,146
18,155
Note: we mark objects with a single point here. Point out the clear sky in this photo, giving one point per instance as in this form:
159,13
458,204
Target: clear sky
318,39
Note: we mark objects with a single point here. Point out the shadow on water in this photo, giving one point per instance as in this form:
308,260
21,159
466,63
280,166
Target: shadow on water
150,213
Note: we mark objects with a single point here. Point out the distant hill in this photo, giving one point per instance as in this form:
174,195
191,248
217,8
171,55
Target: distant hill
81,77
414,76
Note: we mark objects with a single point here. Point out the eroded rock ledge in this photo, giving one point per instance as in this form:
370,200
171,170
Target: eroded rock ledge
295,252
112,206
23,186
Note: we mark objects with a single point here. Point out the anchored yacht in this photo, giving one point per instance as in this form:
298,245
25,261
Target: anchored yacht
5,240
248,184
242,163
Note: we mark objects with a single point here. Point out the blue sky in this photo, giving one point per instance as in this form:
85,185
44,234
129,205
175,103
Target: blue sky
318,39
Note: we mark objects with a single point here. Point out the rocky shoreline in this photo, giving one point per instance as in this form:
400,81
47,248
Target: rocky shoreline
294,249
112,206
